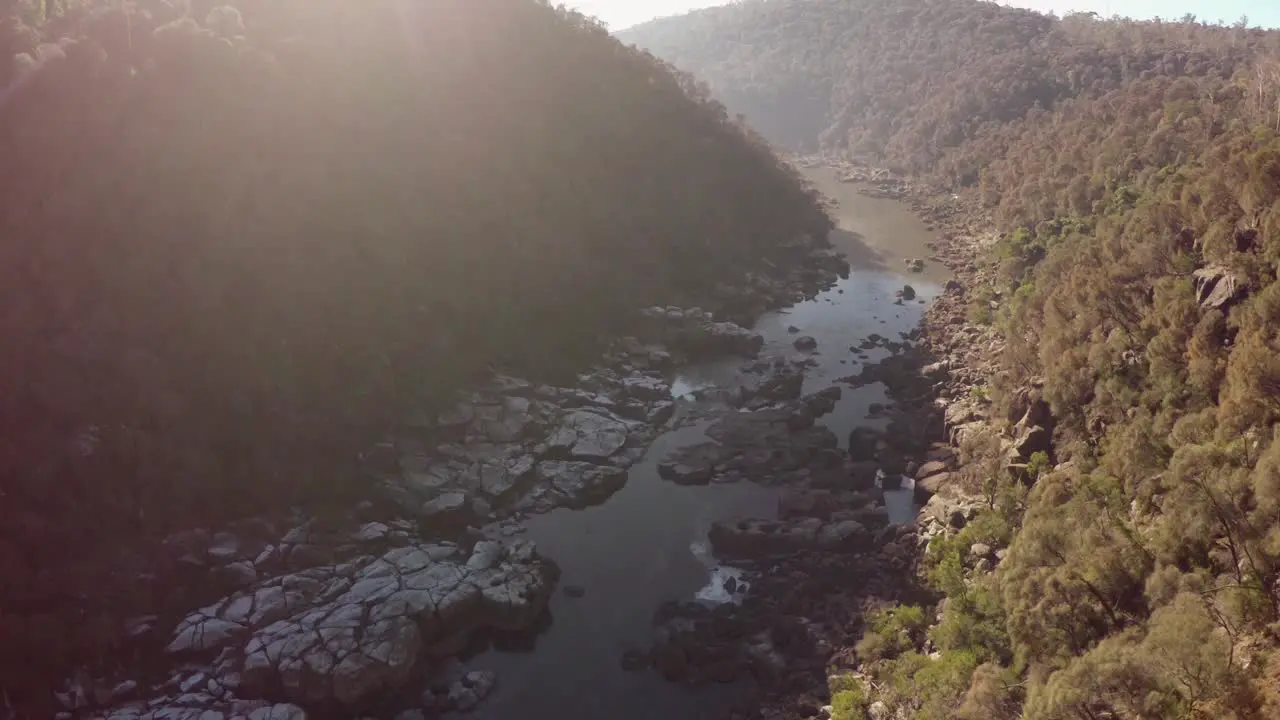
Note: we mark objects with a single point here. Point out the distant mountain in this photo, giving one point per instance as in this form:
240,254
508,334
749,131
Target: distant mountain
910,82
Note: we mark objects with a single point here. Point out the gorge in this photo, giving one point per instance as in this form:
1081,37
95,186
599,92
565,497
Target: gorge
391,360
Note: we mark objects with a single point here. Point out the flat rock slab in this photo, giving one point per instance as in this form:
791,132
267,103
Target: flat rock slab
237,710
587,435
931,468
578,484
345,633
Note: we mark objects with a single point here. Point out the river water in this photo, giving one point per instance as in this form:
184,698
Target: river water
647,544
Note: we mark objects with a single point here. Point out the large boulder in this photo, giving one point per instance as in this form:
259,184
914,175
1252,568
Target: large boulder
931,468
1032,440
578,484
1217,288
1027,407
589,435
693,464
932,485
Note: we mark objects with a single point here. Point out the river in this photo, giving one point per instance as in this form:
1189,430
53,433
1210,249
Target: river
647,544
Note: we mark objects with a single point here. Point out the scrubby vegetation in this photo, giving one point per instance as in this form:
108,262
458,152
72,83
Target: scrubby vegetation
240,239
1134,171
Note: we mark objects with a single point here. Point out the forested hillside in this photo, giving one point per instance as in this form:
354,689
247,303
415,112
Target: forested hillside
241,239
1132,170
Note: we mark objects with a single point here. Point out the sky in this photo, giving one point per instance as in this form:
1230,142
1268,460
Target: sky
621,14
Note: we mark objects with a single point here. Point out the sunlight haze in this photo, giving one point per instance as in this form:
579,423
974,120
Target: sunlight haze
621,14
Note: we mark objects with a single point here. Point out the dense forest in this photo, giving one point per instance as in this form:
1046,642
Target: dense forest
241,239
1132,171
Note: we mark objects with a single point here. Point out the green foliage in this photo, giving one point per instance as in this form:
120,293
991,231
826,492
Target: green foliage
1134,171
993,527
1018,253
944,561
995,693
930,688
892,632
1182,668
975,621
1038,464
980,313
848,698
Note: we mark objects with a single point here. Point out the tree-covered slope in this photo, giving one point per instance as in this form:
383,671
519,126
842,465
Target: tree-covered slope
911,82
240,239
1132,170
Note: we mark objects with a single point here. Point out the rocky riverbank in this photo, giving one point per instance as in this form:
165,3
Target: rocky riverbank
362,612
359,611
831,556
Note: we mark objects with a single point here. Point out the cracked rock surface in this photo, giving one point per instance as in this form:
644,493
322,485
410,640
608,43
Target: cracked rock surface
344,632
341,617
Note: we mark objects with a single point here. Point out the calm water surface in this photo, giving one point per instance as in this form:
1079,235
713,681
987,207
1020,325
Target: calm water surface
647,544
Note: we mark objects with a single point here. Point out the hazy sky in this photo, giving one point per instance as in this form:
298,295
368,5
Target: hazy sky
620,14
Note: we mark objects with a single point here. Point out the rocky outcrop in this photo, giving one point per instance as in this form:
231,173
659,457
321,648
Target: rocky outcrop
1033,432
756,538
772,446
1217,288
513,446
590,435
338,620
935,475
805,343
572,484
342,633
697,334
811,573
332,614
201,708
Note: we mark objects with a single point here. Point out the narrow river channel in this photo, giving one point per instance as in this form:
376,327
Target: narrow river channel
648,543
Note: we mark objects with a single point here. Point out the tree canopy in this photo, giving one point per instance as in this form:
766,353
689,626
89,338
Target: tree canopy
241,238
1132,171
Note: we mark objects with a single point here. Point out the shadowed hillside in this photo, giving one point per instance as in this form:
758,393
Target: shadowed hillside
239,240
1129,176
